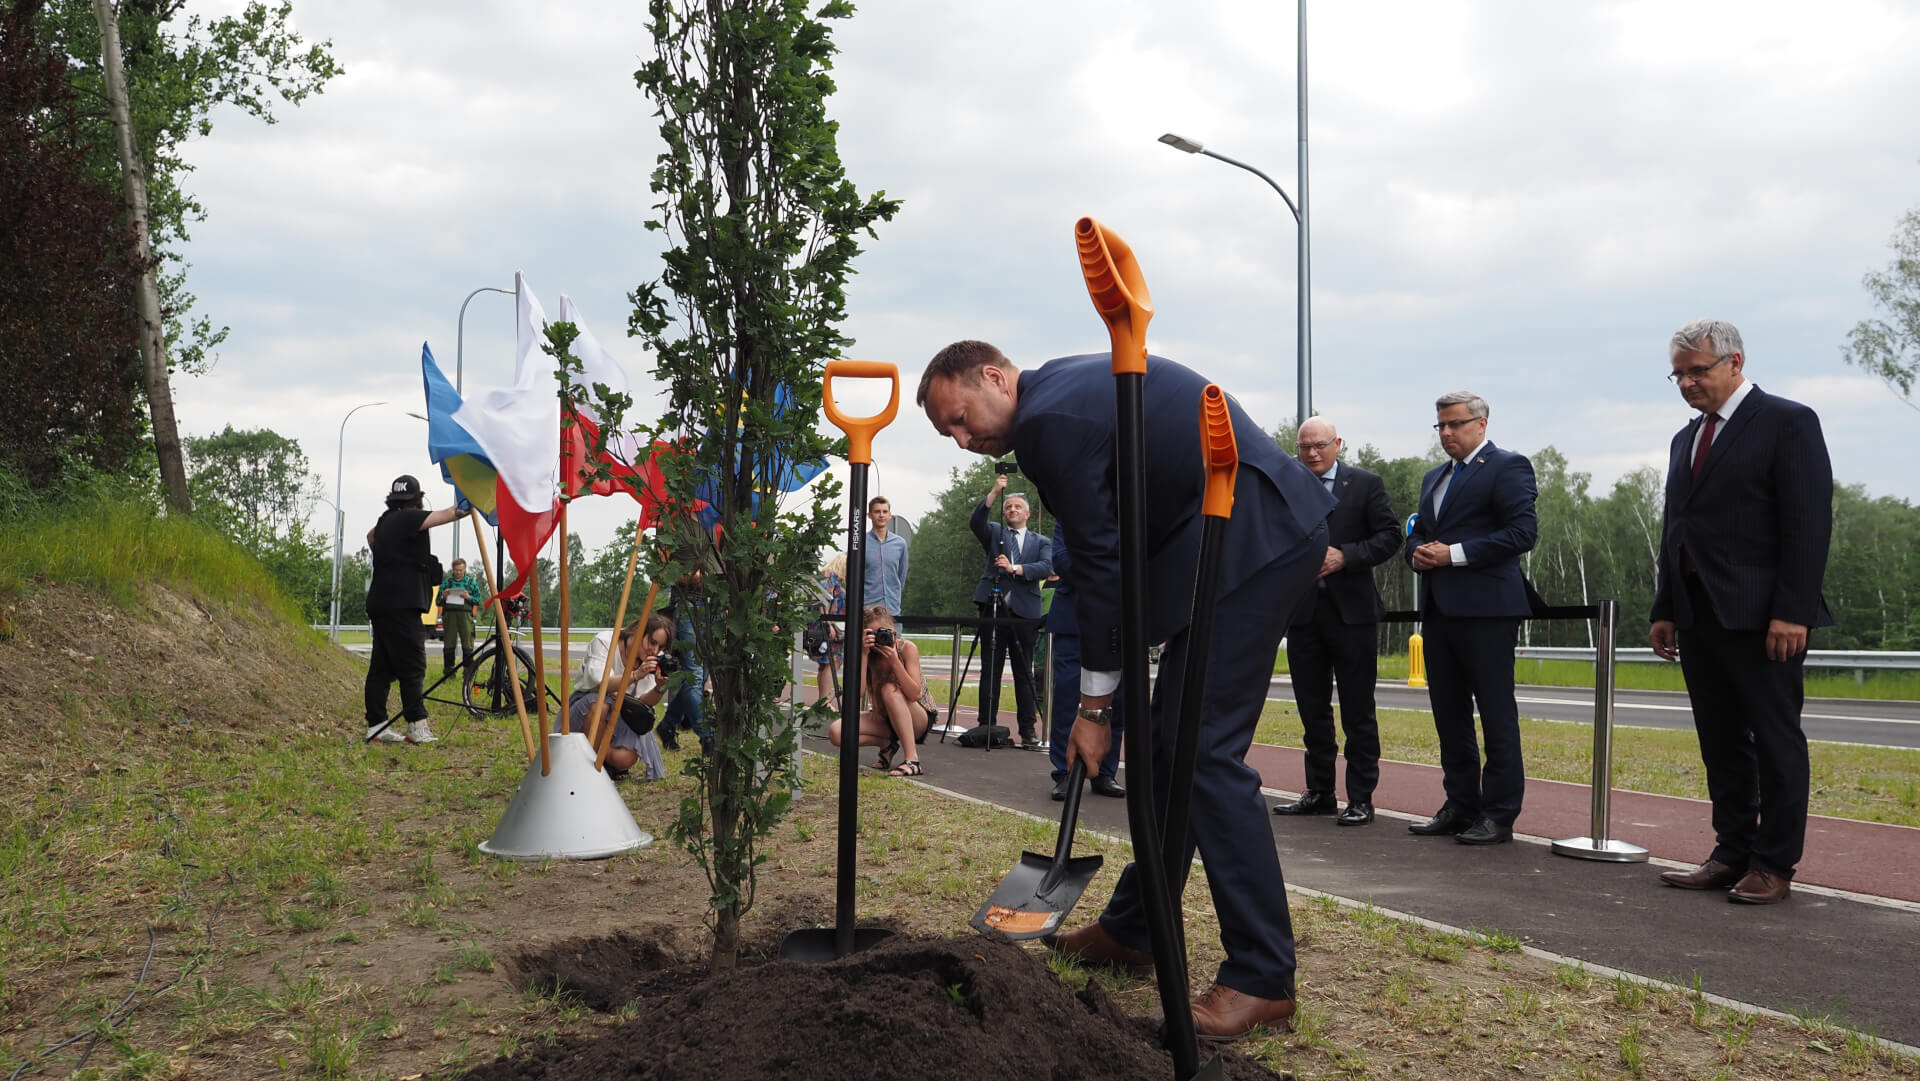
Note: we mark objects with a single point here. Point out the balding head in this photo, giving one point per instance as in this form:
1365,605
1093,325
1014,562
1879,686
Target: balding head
1318,445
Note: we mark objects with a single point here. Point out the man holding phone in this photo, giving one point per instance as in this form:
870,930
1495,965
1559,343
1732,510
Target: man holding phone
1018,560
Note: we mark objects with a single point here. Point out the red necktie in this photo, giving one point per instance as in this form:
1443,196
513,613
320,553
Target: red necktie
1699,459
1706,441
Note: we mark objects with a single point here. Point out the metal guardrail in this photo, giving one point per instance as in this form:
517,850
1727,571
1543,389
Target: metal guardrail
1816,658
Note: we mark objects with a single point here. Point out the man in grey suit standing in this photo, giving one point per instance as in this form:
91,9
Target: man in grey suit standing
1742,553
1018,560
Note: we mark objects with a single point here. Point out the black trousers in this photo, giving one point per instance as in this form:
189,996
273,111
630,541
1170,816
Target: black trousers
1746,710
1320,652
399,653
1469,663
1018,641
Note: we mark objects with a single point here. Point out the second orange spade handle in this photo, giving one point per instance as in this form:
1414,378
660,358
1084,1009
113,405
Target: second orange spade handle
1222,453
1119,292
860,430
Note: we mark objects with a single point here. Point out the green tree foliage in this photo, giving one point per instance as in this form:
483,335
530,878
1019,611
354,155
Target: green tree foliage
762,226
1890,347
179,70
255,486
946,558
67,286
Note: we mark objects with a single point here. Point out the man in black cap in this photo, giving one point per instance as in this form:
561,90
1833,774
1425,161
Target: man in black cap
404,574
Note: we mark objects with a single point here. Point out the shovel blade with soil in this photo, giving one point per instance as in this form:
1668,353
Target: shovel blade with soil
1035,897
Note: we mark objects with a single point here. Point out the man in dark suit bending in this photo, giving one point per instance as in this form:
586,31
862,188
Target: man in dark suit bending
1060,421
1018,560
1476,520
1334,638
1742,553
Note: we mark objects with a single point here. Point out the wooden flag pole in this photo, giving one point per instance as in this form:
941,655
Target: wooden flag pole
566,656
619,621
539,664
506,640
626,680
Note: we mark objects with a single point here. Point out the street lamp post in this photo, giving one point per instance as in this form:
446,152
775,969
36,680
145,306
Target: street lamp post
460,362
340,515
1304,344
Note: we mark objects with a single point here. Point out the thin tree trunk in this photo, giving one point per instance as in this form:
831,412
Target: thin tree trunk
153,341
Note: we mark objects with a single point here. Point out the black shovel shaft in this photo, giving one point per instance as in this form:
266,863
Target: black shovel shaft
1069,819
850,709
1186,749
1169,967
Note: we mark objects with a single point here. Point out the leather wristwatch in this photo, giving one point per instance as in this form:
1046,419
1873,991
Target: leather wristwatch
1102,716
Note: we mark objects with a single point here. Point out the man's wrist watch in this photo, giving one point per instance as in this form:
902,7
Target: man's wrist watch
1102,716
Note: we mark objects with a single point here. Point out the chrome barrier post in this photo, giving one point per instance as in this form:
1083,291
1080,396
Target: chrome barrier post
1045,721
1597,845
953,687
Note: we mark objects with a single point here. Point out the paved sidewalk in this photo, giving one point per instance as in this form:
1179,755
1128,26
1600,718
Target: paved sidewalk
1854,960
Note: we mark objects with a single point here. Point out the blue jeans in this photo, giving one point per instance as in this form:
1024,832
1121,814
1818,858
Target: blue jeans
684,709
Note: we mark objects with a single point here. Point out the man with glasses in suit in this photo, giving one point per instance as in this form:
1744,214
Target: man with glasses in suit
1476,520
1335,638
1743,550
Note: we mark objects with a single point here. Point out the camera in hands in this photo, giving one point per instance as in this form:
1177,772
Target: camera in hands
883,636
1008,466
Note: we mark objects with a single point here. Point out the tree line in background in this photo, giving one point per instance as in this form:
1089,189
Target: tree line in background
1593,545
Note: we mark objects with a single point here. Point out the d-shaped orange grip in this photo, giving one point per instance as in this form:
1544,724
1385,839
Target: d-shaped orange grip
1221,453
1119,293
860,430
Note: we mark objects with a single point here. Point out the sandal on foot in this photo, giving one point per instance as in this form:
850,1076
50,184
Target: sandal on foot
909,768
885,761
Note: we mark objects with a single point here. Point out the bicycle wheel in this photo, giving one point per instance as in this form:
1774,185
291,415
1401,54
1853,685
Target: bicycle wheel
488,689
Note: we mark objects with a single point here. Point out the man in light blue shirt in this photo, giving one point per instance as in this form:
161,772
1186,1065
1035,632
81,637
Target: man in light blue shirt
886,557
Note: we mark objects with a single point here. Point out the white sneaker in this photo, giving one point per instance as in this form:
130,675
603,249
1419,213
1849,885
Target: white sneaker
387,734
418,732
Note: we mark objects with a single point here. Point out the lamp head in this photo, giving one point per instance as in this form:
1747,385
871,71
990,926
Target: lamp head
1182,143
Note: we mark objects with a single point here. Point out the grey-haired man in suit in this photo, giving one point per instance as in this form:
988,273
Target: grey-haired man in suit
1742,552
1334,637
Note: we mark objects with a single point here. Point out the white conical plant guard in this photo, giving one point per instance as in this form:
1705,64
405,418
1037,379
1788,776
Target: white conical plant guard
571,813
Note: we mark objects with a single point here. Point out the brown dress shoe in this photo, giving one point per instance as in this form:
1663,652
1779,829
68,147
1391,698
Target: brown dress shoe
1760,888
1711,875
1223,1014
1092,944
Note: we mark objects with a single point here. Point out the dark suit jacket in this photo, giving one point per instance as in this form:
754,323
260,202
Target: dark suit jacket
1022,594
1363,527
1060,615
1489,512
1064,434
1758,521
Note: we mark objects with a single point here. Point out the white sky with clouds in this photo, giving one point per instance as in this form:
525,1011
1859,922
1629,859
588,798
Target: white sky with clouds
1520,199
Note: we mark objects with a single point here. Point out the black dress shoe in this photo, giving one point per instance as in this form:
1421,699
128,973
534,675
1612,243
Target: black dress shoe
1313,803
1447,821
1358,813
1107,786
1060,790
1485,832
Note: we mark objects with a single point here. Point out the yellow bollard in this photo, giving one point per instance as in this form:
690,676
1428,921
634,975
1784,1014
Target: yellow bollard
1416,663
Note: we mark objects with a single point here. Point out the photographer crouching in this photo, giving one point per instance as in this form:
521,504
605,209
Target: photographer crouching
633,740
898,703
405,573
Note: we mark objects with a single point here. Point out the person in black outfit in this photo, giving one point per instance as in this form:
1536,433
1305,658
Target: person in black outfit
1335,637
404,576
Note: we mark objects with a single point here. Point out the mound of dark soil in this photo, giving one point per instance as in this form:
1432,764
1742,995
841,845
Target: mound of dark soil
946,1010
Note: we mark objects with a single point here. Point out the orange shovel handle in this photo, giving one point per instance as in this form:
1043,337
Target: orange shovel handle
1119,293
860,430
1222,453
